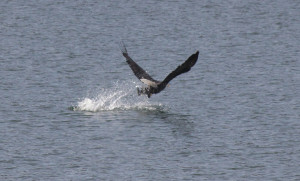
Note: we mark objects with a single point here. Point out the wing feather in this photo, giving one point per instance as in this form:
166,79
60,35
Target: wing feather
183,68
138,71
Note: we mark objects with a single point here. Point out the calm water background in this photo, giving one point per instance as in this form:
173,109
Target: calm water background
69,109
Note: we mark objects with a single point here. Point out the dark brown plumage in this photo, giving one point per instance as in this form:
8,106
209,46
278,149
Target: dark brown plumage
155,86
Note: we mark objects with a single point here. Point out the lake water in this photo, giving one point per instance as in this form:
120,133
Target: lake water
69,108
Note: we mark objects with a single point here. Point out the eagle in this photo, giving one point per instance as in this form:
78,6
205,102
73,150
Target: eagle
154,86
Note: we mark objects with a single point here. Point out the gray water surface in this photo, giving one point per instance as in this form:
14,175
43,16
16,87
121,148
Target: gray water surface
69,108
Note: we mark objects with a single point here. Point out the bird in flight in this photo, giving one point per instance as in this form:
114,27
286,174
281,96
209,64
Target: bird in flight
154,86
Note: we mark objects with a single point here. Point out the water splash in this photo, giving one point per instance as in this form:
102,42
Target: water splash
122,96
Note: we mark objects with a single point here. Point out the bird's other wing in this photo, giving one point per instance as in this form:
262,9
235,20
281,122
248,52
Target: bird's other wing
138,71
183,68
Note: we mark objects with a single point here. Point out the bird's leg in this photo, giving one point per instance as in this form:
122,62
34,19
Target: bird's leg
138,91
147,91
144,90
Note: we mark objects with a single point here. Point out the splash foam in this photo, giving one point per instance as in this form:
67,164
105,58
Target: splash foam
122,96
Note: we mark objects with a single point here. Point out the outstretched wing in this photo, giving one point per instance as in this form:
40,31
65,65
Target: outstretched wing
137,70
183,68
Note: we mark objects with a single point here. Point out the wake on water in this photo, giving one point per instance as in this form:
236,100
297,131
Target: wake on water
122,96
